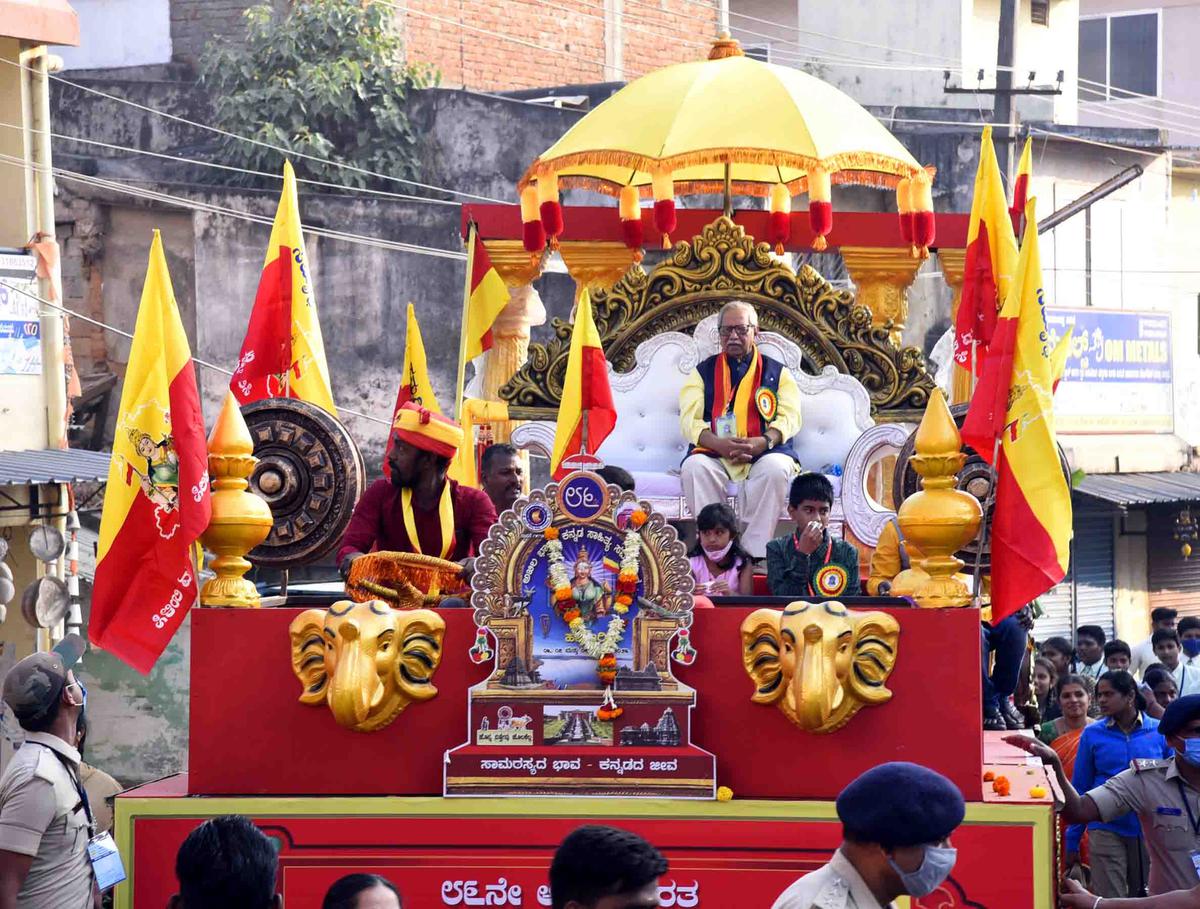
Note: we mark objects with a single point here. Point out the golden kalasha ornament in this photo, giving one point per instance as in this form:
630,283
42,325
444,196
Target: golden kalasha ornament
940,519
367,661
240,519
816,682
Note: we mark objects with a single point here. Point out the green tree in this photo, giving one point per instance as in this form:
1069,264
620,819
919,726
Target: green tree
325,78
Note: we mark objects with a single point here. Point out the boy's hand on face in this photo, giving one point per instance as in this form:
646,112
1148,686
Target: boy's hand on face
810,537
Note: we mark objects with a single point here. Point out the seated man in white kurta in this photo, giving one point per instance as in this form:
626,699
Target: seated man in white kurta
737,409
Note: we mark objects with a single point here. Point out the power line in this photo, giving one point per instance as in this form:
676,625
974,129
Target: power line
240,170
124,334
259,142
212,208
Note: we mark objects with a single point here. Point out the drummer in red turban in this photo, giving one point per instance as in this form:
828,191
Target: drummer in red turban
419,509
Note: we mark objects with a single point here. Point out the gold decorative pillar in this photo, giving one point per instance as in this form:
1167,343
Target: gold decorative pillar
510,331
953,263
240,519
882,278
940,519
596,266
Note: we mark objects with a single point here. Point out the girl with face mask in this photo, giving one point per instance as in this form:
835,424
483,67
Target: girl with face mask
720,565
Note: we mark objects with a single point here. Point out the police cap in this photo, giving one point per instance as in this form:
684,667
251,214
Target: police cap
1178,714
900,804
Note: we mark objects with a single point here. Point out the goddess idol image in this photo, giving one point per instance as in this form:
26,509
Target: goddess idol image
593,598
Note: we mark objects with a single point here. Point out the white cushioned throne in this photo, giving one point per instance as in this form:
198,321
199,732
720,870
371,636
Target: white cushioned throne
656,326
646,441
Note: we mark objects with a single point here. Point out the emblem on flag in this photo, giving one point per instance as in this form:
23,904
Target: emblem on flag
832,580
767,403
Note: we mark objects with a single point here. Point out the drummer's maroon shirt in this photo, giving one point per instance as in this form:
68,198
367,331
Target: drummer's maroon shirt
378,523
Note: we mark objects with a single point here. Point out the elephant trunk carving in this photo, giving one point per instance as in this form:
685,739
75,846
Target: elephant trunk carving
818,662
816,685
355,685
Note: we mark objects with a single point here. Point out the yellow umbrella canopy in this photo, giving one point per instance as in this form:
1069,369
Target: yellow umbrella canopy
728,123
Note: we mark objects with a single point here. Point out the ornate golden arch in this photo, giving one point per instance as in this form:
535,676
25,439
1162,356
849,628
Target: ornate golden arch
703,274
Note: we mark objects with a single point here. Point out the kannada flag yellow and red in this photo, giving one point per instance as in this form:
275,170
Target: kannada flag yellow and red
283,355
414,380
1031,521
586,392
1021,181
991,260
157,501
488,296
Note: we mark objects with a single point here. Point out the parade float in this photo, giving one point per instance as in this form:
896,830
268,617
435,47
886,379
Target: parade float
452,749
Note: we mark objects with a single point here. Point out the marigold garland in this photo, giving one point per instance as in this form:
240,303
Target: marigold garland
600,647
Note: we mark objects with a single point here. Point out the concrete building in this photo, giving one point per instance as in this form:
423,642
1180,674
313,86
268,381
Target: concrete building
511,44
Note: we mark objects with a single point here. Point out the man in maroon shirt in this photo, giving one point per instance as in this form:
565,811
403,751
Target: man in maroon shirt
419,509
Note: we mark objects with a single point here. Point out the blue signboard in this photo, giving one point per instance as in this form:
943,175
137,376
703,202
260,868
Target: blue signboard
1118,376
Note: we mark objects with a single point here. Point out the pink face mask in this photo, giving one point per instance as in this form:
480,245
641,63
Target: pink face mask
717,554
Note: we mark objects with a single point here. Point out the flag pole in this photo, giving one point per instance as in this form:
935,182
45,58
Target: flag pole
984,526
466,311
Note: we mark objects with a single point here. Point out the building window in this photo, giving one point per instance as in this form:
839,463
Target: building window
1039,12
758,52
1119,56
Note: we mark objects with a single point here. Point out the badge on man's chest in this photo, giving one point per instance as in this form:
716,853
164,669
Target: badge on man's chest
725,426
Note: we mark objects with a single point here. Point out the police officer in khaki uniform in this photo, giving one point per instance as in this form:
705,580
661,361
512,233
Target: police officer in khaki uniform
45,820
1164,793
896,824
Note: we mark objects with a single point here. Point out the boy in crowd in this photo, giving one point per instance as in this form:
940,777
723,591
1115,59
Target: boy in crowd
810,562
1143,653
1117,656
1189,640
1089,651
1167,649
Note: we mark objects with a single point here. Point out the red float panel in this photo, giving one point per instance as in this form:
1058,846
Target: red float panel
250,735
451,852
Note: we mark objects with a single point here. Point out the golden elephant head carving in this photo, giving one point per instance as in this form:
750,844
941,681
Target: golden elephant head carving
819,663
367,661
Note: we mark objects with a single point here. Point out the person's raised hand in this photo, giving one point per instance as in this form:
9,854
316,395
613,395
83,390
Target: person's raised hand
810,537
1073,896
1030,745
345,566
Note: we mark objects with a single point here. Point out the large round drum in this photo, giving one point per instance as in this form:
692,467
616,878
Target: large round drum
310,473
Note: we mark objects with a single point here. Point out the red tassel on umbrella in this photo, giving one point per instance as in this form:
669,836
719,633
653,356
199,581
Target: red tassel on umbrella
664,206
924,230
904,207
533,235
779,221
549,207
820,207
630,211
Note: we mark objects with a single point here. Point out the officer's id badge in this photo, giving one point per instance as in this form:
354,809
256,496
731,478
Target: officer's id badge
767,403
831,580
1195,856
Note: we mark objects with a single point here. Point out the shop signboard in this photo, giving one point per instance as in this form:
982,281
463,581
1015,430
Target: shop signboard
20,330
1118,376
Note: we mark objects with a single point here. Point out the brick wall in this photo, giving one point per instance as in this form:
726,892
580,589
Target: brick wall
196,22
468,41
